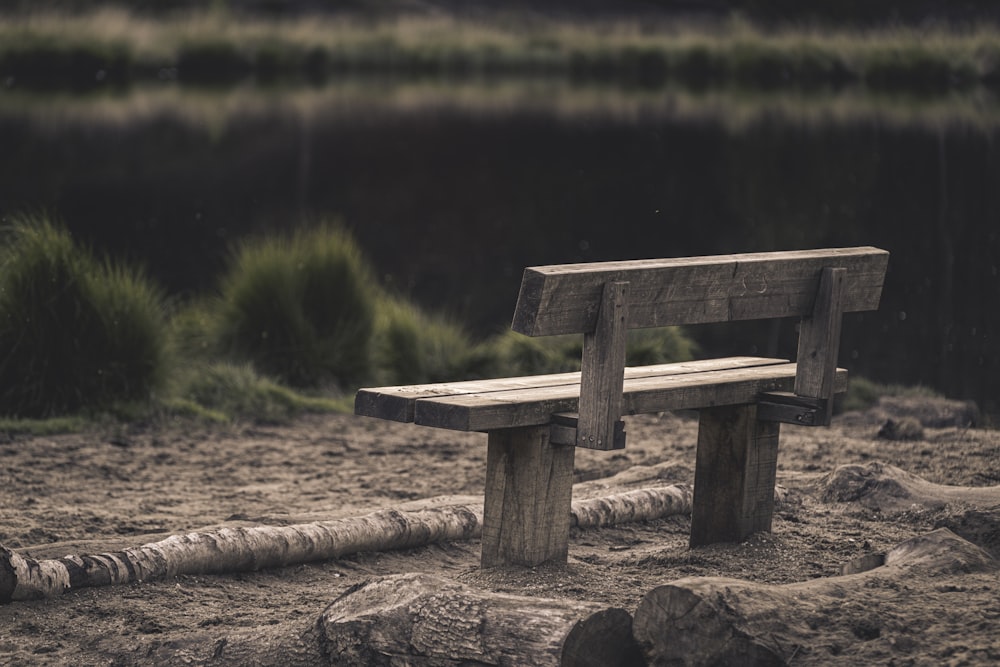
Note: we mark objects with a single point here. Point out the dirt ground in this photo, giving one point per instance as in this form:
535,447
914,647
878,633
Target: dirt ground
102,491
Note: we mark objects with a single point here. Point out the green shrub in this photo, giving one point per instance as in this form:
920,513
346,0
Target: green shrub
513,354
663,345
219,392
76,333
412,347
192,329
863,393
300,308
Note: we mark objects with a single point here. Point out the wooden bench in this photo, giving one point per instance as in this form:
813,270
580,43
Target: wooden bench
534,423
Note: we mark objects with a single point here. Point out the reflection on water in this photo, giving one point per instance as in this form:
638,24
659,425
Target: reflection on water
452,190
558,97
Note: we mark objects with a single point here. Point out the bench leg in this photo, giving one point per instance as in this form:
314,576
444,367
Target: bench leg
529,488
734,475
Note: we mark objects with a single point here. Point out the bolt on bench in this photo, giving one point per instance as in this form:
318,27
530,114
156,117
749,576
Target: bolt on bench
534,423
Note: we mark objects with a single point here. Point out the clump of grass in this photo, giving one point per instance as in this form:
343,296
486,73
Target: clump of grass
414,347
42,427
192,330
863,393
223,392
300,308
513,354
662,345
76,333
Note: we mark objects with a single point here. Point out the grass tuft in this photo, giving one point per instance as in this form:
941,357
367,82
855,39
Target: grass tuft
413,347
863,393
300,308
223,392
76,333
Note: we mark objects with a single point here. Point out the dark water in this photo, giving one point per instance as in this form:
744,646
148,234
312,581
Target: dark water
450,206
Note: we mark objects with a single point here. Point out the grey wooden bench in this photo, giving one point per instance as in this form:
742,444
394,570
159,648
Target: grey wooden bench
535,423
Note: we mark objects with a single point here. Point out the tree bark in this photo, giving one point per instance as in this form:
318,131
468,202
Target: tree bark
253,548
420,619
715,620
891,489
290,644
234,550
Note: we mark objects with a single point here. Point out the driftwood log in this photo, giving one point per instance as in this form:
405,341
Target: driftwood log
719,621
891,489
423,620
289,644
420,619
258,547
973,512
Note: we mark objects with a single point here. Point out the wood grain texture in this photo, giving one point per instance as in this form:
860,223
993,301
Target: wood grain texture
819,342
397,402
695,290
724,621
422,619
735,469
641,395
603,371
526,505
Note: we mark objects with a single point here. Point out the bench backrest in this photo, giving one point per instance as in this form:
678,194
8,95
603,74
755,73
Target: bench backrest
603,300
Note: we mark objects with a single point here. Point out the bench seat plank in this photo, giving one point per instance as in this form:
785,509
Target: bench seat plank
649,393
397,403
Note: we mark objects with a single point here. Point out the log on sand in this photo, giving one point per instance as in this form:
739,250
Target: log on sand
972,512
421,619
253,548
890,489
715,620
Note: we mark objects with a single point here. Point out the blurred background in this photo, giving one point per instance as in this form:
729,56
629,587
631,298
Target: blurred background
462,141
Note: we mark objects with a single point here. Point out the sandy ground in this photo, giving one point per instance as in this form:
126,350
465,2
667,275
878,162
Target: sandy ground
102,491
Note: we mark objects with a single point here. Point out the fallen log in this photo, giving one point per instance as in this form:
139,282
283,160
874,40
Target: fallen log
289,644
716,620
234,550
890,489
421,619
253,548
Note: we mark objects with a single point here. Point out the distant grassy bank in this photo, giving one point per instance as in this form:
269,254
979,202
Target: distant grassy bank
116,48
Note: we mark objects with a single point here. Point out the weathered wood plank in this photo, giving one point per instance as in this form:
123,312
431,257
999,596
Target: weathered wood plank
526,506
819,342
694,290
602,373
516,408
396,402
735,469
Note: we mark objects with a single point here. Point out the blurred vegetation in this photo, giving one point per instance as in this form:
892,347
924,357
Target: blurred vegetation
297,326
300,308
863,393
93,340
116,47
76,333
823,11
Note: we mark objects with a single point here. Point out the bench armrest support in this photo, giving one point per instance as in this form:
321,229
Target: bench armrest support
603,371
819,344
